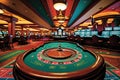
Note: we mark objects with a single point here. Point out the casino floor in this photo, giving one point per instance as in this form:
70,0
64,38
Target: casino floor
110,58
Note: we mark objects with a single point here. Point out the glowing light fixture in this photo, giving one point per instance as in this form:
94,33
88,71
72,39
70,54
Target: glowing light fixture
110,20
99,22
60,17
61,21
90,26
1,11
60,6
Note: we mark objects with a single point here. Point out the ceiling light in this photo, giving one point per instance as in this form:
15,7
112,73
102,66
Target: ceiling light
90,26
60,6
60,18
110,20
61,21
1,11
60,15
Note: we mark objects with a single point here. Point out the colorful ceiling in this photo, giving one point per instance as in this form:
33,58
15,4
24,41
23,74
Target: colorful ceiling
77,13
80,8
45,9
39,8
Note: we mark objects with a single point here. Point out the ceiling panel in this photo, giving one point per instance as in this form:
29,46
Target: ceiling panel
82,5
19,8
42,12
102,4
38,7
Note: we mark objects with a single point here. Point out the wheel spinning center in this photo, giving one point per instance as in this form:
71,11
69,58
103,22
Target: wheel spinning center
59,54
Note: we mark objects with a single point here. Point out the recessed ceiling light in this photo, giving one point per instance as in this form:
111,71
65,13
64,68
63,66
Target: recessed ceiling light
1,11
60,6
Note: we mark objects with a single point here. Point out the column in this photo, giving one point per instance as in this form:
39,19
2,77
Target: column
11,30
11,26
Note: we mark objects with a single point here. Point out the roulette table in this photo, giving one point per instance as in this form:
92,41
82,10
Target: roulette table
59,60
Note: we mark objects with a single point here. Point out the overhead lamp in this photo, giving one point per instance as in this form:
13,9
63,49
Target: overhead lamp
61,21
60,6
90,26
60,18
1,11
60,15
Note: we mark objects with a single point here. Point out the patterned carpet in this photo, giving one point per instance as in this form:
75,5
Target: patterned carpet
112,58
112,73
10,55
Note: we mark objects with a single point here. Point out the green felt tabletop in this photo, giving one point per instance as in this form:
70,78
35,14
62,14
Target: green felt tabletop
87,59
